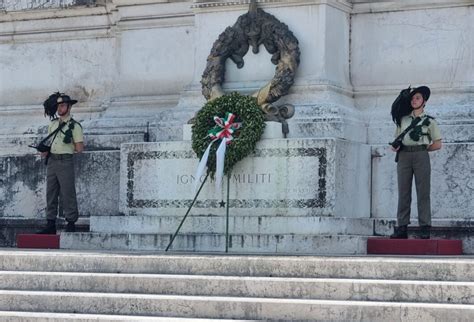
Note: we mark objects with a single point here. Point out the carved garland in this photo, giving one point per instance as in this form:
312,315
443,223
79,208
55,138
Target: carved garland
254,29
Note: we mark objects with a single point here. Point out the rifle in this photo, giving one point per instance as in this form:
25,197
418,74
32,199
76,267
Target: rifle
397,143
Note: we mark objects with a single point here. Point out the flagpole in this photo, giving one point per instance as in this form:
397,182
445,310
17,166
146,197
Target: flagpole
227,217
187,212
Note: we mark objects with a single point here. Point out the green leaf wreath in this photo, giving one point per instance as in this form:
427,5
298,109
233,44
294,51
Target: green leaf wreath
247,111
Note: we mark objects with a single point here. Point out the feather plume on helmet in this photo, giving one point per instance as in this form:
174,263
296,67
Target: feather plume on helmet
401,106
51,103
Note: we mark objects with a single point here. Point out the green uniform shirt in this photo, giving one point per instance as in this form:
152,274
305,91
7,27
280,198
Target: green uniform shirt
61,147
427,128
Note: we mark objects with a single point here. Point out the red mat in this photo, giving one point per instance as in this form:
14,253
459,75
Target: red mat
37,241
388,246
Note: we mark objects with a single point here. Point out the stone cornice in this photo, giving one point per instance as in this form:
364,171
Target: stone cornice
350,6
26,15
103,20
154,15
211,6
88,22
81,22
361,7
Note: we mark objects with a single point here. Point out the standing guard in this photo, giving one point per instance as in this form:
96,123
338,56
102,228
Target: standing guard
417,134
67,140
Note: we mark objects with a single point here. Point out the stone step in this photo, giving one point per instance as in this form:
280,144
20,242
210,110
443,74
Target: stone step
237,225
238,243
228,307
11,316
18,144
243,286
356,267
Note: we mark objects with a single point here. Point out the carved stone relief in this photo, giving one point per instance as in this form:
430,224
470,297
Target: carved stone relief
253,29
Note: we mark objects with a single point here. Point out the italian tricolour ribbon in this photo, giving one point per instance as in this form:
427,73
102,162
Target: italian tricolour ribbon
224,130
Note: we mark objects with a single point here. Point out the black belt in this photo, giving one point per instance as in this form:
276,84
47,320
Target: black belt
66,156
414,148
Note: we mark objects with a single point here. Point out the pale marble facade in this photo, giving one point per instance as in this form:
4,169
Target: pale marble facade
133,62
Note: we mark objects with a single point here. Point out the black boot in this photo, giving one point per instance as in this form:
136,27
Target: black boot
400,233
50,228
425,232
70,227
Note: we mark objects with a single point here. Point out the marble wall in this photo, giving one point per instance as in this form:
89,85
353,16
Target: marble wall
295,177
137,62
23,185
452,183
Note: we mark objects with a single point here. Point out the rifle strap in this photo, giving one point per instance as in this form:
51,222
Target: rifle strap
54,133
409,128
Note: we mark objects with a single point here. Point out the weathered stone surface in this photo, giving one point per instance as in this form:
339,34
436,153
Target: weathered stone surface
22,186
358,267
237,224
135,62
262,287
238,243
239,287
23,189
394,63
283,177
229,307
60,317
452,183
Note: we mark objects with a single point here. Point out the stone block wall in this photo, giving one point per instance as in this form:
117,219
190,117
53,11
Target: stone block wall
137,62
23,190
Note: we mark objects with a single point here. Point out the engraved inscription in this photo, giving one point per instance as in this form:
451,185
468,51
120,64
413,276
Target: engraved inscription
239,178
297,180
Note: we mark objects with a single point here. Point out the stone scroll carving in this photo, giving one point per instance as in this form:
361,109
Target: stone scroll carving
253,29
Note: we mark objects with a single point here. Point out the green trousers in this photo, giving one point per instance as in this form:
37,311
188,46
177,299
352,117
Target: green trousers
414,164
60,182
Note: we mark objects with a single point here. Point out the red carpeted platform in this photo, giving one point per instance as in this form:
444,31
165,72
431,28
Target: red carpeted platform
388,246
37,241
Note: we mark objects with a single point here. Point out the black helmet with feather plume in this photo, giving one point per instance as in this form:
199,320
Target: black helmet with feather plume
51,103
402,104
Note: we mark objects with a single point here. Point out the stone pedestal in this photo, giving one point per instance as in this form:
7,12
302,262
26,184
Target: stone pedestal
305,177
289,196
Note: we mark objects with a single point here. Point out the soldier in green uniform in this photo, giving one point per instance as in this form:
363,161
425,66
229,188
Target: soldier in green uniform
60,167
414,160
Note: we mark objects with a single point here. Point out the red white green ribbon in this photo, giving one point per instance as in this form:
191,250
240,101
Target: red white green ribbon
224,130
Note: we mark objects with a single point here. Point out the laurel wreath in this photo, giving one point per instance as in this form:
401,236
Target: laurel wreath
247,111
234,42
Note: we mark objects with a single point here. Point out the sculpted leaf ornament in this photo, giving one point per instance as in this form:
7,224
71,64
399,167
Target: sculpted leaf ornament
253,29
